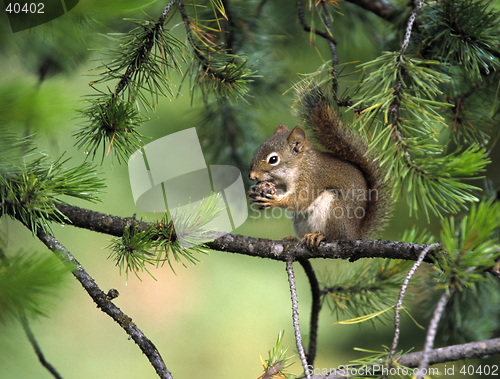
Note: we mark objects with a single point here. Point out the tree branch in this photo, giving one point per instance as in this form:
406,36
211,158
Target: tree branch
295,316
315,309
452,353
108,307
307,28
399,303
258,247
36,347
432,331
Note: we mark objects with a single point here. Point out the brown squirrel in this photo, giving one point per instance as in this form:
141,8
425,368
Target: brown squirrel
337,194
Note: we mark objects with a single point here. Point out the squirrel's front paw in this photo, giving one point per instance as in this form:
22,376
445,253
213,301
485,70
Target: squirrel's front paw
312,240
264,201
264,195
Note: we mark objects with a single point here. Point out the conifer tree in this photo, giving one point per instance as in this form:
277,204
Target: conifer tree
418,80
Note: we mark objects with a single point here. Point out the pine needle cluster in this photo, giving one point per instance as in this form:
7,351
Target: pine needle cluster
141,65
113,122
363,289
166,242
275,366
400,103
31,185
472,245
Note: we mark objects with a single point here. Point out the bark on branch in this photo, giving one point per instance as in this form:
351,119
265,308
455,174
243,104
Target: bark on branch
107,306
442,355
258,247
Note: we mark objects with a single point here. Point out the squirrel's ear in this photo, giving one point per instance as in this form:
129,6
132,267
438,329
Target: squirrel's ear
296,139
281,128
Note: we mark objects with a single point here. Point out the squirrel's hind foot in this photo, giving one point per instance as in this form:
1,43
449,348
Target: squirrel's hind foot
312,240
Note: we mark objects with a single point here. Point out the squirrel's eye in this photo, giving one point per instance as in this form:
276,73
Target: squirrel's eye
273,159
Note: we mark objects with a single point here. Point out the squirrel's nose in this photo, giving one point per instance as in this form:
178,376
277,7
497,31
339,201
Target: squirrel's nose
252,175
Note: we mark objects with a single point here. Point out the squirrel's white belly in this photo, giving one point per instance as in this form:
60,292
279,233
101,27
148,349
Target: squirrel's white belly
315,218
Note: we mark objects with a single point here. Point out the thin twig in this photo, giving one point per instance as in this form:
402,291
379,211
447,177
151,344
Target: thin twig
409,26
306,27
295,316
432,330
144,50
36,347
397,135
205,61
107,306
401,296
333,48
231,28
315,309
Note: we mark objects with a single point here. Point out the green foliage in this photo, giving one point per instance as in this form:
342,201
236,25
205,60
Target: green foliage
141,64
32,185
165,242
362,289
471,245
476,109
141,60
277,362
471,314
133,250
28,284
464,34
398,101
224,75
214,68
112,123
417,235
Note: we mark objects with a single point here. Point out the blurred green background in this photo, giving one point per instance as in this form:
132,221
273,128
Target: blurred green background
211,320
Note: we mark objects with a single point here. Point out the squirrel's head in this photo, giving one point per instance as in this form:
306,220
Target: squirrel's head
278,158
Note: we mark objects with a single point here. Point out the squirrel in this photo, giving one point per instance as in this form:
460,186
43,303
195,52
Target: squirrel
336,192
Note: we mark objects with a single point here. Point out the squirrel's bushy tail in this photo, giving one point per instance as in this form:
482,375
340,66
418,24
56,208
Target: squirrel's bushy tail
330,133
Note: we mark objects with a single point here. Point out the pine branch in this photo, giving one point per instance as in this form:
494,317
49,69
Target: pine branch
106,305
447,354
394,108
142,53
213,68
257,247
